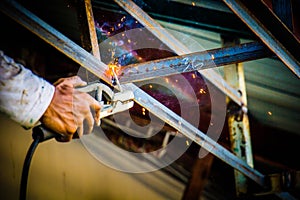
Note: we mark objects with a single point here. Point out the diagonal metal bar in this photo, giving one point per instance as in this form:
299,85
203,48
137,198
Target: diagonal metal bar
177,47
92,29
52,36
88,61
191,62
270,30
194,134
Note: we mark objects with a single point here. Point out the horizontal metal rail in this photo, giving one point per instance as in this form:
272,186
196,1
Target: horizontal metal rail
88,61
177,46
191,62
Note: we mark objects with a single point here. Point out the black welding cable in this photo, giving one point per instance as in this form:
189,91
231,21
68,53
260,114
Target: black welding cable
39,134
26,166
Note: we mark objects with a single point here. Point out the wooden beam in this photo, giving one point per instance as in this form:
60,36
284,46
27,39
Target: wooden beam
199,176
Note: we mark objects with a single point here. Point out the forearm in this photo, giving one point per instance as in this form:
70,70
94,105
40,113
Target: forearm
24,97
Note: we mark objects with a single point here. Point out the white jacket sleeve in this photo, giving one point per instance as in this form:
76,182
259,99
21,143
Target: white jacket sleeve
24,97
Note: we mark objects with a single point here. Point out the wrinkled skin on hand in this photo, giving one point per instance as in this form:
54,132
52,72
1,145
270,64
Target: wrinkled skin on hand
70,111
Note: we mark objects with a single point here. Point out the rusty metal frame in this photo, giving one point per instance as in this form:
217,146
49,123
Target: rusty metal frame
92,29
194,61
238,121
270,30
179,48
88,61
175,45
79,55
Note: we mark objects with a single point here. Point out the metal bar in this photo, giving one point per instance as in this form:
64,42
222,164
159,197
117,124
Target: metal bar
191,62
283,9
155,28
194,134
176,46
281,183
92,29
238,121
83,26
54,38
236,136
296,18
37,26
277,37
210,15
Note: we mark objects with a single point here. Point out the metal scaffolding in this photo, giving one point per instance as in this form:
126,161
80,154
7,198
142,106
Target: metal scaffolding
145,71
270,30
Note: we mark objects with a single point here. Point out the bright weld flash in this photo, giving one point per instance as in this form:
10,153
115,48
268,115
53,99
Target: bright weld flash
111,69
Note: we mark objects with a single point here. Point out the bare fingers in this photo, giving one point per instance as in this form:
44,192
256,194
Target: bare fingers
85,105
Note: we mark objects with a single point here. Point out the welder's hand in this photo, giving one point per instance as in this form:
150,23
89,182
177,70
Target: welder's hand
71,110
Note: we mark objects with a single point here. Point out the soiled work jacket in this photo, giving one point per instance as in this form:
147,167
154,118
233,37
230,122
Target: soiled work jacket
24,97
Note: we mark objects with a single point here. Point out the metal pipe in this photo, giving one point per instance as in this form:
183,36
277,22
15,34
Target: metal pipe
88,61
191,62
176,46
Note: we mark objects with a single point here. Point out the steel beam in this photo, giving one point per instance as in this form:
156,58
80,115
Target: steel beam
270,30
191,62
283,9
238,121
211,15
54,38
79,55
92,29
194,134
176,46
